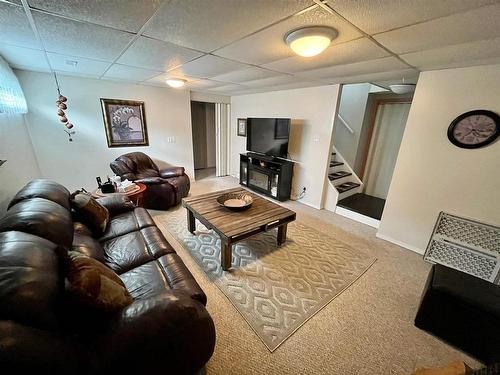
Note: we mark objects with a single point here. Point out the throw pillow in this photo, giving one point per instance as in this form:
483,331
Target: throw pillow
90,212
94,285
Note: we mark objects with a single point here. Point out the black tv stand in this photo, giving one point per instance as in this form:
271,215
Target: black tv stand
267,175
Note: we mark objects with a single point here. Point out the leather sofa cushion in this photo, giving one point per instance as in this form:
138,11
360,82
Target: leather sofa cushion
145,281
171,172
127,222
49,190
134,249
89,246
167,272
31,281
42,218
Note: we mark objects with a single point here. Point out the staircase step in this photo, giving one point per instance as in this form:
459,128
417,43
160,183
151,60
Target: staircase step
335,163
346,186
338,175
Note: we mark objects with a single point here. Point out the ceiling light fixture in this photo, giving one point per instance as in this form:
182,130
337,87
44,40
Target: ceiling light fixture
402,88
175,82
310,41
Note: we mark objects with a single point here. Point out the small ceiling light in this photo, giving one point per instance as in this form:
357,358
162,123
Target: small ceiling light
310,41
176,82
402,88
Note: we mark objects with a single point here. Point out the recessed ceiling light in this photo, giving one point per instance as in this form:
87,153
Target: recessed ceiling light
310,41
176,82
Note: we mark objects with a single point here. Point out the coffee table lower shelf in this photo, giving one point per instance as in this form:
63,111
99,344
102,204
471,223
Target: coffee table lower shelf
228,242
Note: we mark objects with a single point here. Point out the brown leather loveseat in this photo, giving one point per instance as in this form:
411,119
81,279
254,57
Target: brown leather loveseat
165,187
166,329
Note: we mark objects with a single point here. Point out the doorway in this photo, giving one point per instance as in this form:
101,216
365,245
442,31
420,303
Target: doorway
367,139
204,140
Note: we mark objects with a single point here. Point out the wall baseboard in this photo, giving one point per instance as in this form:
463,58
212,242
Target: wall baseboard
399,243
357,217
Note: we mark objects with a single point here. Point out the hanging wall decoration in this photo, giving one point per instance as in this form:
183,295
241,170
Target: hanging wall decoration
62,106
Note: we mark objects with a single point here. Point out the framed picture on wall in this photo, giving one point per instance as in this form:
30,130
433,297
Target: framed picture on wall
242,127
124,122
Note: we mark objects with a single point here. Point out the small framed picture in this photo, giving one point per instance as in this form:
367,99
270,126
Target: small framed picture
242,127
125,122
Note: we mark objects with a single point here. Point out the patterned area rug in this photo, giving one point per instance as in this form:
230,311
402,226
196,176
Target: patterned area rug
276,289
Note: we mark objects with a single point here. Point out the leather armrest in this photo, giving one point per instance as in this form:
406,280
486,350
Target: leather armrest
171,172
25,350
151,180
116,204
170,328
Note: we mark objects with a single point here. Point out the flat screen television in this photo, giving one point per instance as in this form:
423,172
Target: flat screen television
268,136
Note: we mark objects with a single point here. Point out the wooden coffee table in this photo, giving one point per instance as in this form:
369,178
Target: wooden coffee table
235,226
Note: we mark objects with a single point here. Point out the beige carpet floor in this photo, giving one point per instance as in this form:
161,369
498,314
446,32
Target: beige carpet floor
368,329
275,288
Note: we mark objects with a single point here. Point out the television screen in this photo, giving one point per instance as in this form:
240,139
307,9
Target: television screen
268,136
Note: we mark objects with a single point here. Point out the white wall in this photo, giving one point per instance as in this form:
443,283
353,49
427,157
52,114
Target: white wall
76,164
433,175
21,165
312,112
352,109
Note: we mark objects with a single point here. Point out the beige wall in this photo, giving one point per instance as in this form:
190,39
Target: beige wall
433,175
21,165
76,164
312,112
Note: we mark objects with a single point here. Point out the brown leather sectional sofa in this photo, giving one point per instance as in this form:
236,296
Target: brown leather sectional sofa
166,328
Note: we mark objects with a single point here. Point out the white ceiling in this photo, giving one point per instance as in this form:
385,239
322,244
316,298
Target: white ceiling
236,47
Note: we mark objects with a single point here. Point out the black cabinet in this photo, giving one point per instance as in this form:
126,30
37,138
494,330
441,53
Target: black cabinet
266,175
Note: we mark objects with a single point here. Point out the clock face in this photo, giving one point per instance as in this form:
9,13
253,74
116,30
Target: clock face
474,129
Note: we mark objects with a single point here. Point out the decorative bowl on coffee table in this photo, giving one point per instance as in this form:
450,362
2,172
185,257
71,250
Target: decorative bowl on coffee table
235,201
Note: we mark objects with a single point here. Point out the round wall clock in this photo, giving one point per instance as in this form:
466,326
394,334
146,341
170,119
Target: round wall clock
474,129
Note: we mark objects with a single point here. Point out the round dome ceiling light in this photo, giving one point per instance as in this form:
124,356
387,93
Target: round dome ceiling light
175,82
310,41
402,88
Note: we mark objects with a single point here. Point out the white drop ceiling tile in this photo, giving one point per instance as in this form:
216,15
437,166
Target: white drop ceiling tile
364,67
206,26
459,55
268,45
272,81
127,15
160,79
15,28
226,88
378,16
83,67
477,24
353,51
209,66
246,74
130,73
409,75
75,38
205,84
157,55
24,58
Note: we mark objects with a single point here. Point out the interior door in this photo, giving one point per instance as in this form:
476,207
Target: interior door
388,132
199,131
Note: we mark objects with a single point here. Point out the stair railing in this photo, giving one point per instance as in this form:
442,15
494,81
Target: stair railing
344,122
